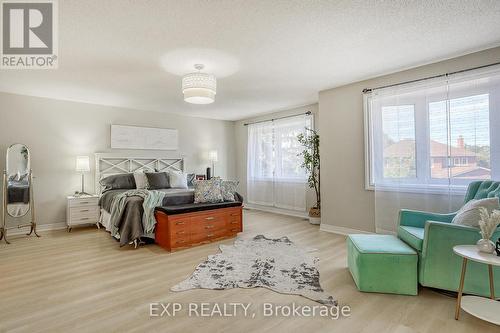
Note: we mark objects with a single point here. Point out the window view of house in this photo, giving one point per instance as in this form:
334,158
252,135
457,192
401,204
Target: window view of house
398,123
465,126
429,142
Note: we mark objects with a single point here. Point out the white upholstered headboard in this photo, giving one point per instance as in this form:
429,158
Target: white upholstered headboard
107,164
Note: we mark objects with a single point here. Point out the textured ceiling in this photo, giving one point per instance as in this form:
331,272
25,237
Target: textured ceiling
269,55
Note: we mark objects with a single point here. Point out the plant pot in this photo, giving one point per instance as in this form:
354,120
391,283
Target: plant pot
314,216
315,220
485,245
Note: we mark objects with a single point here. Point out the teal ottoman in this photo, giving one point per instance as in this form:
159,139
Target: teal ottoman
382,264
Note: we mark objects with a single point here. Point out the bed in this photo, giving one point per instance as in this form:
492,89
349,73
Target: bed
130,229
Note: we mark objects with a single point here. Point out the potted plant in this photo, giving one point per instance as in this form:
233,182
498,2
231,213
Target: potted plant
310,141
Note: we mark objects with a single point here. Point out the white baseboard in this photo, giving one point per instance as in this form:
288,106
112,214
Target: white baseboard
39,227
341,230
275,210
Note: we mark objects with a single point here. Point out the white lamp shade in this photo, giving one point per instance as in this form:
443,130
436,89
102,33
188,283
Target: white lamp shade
199,88
212,156
82,164
199,96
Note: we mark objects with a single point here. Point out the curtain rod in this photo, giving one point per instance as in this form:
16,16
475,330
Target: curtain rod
273,119
367,90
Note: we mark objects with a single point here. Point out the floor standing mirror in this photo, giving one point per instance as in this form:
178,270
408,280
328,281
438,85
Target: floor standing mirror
18,198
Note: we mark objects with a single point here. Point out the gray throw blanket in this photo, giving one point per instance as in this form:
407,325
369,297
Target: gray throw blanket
119,215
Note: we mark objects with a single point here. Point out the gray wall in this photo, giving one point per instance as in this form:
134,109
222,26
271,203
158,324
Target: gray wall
346,203
241,138
57,131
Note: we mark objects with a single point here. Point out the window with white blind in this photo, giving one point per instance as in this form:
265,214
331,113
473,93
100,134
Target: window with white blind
434,134
274,173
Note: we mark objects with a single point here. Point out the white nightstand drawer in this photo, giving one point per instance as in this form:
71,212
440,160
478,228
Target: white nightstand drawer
82,202
82,220
84,211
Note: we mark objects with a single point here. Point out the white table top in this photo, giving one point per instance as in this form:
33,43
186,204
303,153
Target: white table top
86,196
471,252
483,308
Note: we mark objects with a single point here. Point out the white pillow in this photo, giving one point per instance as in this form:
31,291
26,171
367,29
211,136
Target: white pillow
469,213
178,179
141,181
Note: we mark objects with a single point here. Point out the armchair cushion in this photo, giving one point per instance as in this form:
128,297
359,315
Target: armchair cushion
412,236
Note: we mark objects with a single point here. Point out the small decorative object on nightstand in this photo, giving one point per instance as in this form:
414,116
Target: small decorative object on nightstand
81,210
488,224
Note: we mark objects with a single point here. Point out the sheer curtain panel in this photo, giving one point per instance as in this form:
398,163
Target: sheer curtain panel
274,175
428,140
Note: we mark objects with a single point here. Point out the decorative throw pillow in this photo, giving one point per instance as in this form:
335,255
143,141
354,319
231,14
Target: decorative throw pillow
157,180
122,181
208,191
141,181
177,179
191,177
469,213
228,188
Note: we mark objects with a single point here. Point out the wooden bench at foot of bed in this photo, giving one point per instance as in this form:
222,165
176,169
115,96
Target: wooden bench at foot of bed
180,227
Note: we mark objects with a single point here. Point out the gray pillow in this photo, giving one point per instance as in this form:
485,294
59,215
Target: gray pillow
228,188
469,213
157,180
208,191
122,181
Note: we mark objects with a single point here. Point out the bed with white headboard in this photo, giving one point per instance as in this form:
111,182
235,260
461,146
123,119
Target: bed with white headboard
107,164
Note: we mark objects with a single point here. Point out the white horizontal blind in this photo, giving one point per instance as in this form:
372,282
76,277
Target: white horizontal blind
274,173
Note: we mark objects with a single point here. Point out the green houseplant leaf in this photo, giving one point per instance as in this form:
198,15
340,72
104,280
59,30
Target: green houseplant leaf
310,141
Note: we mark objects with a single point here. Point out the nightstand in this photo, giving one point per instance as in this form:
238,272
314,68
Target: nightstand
82,210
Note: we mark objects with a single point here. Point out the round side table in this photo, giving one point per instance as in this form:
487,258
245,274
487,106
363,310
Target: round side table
481,307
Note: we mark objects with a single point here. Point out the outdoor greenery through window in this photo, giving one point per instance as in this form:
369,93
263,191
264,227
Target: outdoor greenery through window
434,134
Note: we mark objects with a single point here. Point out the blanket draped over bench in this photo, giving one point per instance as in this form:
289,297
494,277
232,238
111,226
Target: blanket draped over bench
151,199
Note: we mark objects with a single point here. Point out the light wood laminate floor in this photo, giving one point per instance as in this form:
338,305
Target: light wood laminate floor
83,281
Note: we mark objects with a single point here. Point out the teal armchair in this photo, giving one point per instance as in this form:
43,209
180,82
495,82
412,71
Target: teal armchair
433,237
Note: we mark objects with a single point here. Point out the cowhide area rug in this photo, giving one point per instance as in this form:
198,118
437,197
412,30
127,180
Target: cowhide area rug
277,264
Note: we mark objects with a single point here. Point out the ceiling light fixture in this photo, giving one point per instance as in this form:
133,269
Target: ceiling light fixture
199,88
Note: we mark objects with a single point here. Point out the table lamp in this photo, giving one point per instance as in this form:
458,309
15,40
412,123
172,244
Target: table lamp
212,156
82,165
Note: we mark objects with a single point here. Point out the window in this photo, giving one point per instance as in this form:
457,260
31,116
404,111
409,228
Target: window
434,134
464,122
398,131
274,173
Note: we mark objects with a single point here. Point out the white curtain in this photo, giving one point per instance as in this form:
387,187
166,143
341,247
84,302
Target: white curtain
429,140
274,175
